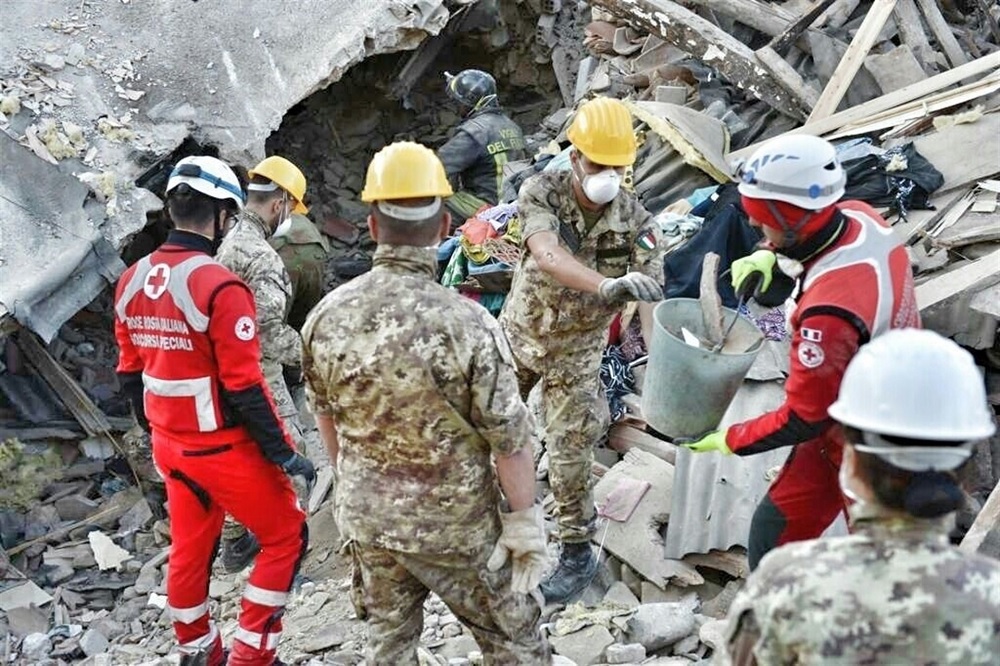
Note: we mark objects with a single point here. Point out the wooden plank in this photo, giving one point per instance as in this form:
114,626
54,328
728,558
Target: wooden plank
911,31
708,296
709,43
770,19
623,438
79,404
975,275
986,522
853,59
787,77
891,101
942,32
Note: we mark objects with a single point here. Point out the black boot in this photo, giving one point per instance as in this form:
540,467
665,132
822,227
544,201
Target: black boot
238,553
577,566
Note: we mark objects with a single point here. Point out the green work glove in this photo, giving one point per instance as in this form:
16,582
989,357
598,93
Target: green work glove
761,261
713,441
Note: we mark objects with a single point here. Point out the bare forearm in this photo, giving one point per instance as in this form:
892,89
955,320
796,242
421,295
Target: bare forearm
517,478
328,433
646,322
569,272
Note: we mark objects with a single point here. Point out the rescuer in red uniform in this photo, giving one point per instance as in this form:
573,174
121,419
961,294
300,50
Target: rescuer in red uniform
190,364
855,284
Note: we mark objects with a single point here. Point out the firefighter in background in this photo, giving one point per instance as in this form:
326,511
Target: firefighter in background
486,139
189,362
856,284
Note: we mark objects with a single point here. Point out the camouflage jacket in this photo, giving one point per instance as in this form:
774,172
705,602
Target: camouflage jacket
420,384
894,592
245,252
541,316
303,250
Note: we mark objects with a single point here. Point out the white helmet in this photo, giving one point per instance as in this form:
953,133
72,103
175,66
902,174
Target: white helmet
917,385
208,175
798,169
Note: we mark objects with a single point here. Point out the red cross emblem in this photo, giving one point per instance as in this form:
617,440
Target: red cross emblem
156,281
245,328
811,354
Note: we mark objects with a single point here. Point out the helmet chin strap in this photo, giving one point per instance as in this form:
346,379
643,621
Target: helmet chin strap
791,232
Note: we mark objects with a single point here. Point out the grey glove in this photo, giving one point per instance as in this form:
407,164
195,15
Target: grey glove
632,286
298,467
523,541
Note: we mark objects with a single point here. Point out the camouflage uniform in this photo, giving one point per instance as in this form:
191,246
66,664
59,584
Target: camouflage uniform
245,251
894,592
420,384
557,334
303,250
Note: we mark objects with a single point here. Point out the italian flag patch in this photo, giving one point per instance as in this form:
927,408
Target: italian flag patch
646,240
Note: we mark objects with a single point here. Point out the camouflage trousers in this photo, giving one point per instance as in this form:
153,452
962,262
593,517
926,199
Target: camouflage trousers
575,416
232,530
390,587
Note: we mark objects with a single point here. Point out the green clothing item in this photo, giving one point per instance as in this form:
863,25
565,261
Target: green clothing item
303,250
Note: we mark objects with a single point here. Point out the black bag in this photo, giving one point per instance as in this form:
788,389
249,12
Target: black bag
900,191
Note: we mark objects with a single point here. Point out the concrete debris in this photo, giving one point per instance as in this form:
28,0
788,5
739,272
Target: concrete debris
629,653
584,647
108,554
659,625
36,647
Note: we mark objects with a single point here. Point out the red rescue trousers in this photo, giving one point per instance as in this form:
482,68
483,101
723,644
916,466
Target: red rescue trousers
203,484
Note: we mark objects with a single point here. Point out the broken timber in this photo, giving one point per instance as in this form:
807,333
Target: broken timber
791,34
688,31
852,61
984,535
888,103
942,33
966,279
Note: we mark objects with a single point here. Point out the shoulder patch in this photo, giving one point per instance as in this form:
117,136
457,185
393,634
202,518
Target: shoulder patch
646,240
811,334
811,354
246,328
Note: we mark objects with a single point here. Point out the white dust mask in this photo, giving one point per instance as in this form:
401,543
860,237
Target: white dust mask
602,187
285,224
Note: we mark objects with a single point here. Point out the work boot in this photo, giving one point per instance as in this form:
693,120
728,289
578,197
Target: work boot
238,553
212,655
576,568
242,654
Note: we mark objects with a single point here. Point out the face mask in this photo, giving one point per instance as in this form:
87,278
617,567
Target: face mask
285,224
601,187
847,483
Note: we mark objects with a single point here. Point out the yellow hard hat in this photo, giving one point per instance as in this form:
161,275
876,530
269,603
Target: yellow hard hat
405,170
287,176
602,131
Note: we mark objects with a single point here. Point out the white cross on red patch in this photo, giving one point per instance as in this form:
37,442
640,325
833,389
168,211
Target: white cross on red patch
156,281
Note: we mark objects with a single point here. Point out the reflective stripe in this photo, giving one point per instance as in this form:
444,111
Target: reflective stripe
188,615
134,286
259,595
181,291
873,247
255,640
199,388
199,644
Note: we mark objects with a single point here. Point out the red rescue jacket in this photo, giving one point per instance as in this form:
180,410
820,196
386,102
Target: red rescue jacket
854,290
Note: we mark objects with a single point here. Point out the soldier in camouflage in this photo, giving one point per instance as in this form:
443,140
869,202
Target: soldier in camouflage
416,399
275,191
589,248
303,250
894,592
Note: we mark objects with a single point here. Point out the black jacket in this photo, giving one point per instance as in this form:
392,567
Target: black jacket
474,157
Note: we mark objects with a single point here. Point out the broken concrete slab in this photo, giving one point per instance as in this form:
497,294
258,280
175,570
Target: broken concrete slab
23,594
76,507
659,625
638,542
27,620
620,594
584,647
896,69
324,483
628,653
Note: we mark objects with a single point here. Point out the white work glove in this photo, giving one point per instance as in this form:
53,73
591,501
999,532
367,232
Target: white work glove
523,541
632,286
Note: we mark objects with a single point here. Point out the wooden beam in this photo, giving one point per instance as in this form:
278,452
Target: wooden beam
787,77
942,33
79,404
987,521
770,19
709,43
853,59
973,276
791,34
888,103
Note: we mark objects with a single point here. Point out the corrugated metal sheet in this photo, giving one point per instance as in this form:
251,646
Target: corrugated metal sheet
714,496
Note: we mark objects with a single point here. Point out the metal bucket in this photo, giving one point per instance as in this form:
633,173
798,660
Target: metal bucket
688,389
